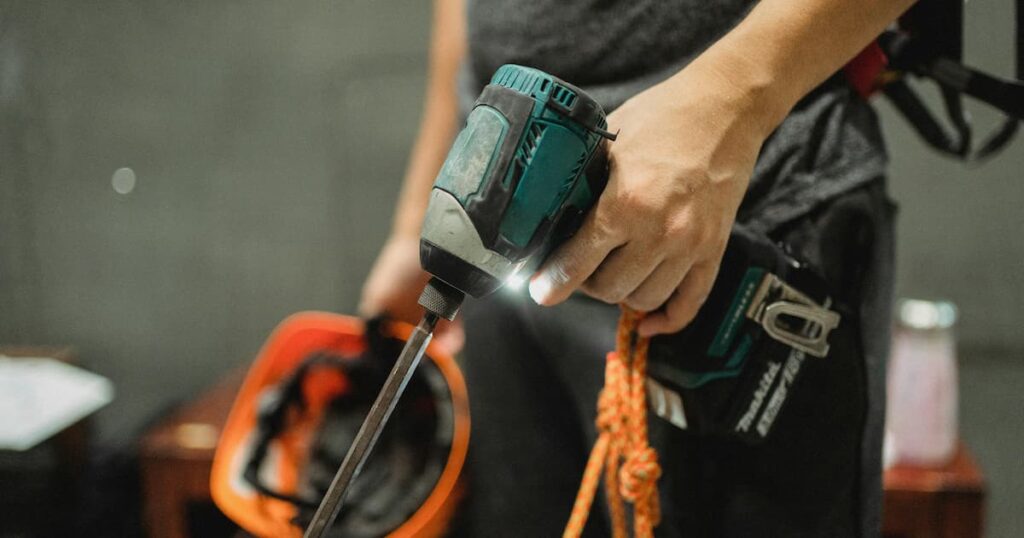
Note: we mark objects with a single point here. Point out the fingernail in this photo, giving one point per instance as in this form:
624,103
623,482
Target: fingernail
544,284
540,287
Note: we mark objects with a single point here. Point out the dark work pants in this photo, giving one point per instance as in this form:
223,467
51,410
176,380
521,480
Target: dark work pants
534,375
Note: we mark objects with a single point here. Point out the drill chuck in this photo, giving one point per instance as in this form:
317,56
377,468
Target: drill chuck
441,299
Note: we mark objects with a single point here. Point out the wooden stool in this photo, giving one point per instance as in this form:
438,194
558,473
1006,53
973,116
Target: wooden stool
176,456
942,502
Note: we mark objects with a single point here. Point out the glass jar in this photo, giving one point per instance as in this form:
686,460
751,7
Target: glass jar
921,418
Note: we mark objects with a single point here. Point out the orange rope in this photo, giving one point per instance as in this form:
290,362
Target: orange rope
622,452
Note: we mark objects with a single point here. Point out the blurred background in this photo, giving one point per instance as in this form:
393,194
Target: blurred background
176,178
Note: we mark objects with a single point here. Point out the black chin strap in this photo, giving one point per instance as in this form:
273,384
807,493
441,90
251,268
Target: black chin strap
272,418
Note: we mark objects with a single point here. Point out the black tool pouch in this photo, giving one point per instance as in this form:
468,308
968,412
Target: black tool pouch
730,372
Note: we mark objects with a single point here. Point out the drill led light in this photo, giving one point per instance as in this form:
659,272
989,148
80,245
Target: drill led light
516,282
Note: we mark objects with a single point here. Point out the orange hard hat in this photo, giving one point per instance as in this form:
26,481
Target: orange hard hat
281,439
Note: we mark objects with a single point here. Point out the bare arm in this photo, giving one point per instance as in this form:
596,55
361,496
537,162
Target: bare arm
784,48
440,114
397,279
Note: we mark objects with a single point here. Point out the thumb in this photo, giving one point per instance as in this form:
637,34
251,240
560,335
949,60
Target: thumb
571,264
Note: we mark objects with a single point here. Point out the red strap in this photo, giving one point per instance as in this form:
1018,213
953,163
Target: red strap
864,69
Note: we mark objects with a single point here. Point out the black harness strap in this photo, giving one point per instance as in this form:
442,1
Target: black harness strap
931,46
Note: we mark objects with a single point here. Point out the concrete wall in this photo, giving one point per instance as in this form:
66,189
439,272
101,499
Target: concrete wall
268,139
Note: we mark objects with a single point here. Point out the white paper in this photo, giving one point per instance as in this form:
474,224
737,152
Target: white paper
41,396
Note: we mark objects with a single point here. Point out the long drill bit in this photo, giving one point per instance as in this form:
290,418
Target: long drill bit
372,426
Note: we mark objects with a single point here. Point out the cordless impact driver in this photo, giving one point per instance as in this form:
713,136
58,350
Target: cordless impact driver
517,182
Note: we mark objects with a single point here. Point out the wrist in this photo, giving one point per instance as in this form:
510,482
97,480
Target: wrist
752,85
401,235
408,220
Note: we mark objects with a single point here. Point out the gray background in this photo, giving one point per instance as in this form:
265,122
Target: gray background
268,139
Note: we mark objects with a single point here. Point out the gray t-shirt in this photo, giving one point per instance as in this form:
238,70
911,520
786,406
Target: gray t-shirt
613,49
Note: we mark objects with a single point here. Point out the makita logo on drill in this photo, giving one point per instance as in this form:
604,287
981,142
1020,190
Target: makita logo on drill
762,390
796,359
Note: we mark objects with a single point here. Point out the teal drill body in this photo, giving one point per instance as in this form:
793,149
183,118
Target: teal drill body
519,178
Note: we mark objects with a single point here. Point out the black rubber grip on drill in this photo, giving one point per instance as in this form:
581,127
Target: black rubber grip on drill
441,299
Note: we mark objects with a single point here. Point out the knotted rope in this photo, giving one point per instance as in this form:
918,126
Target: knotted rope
622,453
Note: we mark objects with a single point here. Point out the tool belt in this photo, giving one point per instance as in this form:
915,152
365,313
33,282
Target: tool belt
729,373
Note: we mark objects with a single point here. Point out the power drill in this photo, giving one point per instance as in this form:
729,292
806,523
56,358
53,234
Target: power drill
517,182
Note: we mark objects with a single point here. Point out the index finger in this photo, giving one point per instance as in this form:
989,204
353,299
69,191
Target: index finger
570,264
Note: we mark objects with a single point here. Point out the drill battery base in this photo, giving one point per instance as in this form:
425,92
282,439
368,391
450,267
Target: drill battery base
730,371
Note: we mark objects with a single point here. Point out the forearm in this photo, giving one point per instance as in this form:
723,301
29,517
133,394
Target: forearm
440,115
784,48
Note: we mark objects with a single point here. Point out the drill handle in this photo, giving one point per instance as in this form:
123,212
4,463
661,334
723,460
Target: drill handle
596,171
596,177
